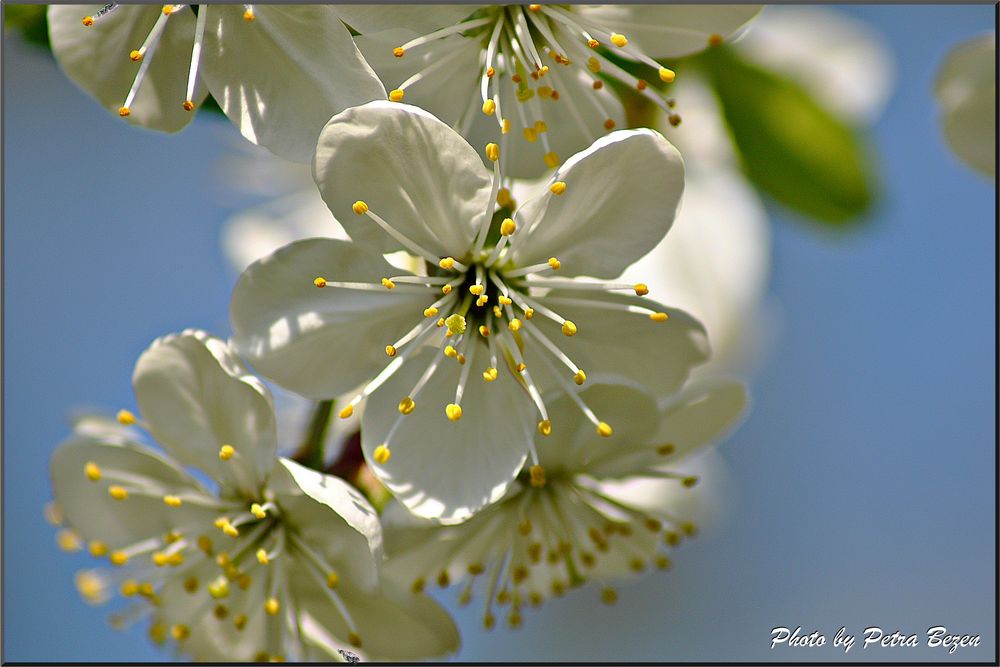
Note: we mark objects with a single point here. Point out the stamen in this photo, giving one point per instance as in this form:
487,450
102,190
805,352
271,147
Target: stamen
148,46
394,233
443,32
656,316
199,33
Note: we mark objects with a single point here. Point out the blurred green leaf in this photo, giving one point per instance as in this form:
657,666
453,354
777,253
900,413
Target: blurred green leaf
29,20
791,148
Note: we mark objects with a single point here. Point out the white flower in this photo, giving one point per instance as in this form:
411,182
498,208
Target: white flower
592,510
538,70
240,569
279,72
965,88
500,330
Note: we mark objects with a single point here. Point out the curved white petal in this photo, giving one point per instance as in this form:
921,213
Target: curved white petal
448,91
420,18
197,396
966,90
333,518
669,31
656,355
91,511
320,342
97,59
621,197
441,469
411,169
715,262
282,76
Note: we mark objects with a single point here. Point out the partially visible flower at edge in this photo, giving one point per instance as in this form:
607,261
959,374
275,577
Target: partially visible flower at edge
277,562
591,510
965,88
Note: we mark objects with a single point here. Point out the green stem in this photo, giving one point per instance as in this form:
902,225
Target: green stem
310,452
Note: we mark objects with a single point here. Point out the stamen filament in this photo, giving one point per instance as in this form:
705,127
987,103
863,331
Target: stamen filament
402,239
199,33
444,32
148,46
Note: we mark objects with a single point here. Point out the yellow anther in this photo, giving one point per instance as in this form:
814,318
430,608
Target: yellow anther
129,588
407,405
545,427
447,263
118,492
172,536
503,197
159,558
388,284
551,160
180,632
353,639
248,15
524,527
597,85
88,21
240,621
505,126
580,377
558,188
659,317
220,611
272,606
667,75
222,560
714,39
545,92
529,313
541,127
450,351
135,56
443,580
219,523
172,501
126,418
396,95
641,289
231,530
492,152
461,359
490,374
68,540
636,565
483,300
593,64
320,282
262,557
118,558
226,452
390,351
440,323
382,454
204,542
476,569
530,134
609,124
488,621
521,367
514,324
484,331
508,227
666,450
258,511
92,471
191,584
497,312
568,328
604,430
332,580
477,289
537,473
446,289
347,412
489,107
430,312
641,85
399,52
490,72
618,39
168,9
187,105
418,585
662,562
689,482
359,207
124,111
587,559
609,596
453,411
504,301
593,43
535,8
97,548
544,70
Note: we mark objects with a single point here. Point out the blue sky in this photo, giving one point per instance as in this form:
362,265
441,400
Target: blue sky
863,481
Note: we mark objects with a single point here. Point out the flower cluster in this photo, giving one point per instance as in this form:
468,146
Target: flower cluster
531,412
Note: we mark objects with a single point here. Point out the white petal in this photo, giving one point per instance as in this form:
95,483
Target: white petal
333,517
282,76
442,469
966,90
411,169
320,342
656,355
447,92
97,59
621,197
90,510
715,262
669,31
419,18
197,396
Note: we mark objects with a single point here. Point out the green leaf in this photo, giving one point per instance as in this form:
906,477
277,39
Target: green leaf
791,147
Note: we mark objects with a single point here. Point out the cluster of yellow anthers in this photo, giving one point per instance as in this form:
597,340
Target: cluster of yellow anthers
519,36
485,293
144,54
554,540
252,539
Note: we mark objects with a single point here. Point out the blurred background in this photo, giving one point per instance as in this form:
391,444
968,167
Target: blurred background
860,490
